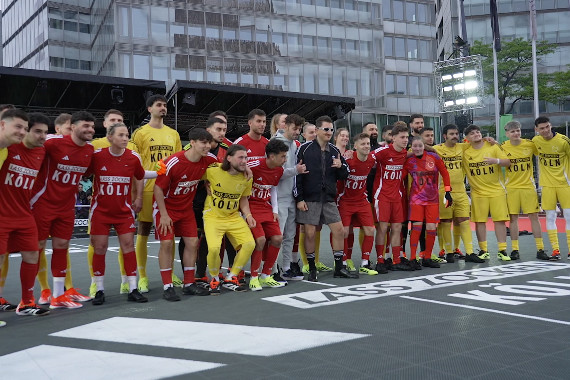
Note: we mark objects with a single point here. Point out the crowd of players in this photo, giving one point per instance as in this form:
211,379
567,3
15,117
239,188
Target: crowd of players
259,200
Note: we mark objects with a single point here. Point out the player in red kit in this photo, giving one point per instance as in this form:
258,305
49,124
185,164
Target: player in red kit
253,141
353,203
174,193
53,202
388,194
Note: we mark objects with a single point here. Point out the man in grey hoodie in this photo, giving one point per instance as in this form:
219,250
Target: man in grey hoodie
286,201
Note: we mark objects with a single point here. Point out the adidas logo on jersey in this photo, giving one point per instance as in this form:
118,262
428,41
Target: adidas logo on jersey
391,160
133,226
249,151
104,169
17,157
260,179
151,139
184,177
65,158
218,185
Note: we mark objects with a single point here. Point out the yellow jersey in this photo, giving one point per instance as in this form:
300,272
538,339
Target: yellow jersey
453,159
153,145
485,180
3,155
103,142
226,190
520,175
553,160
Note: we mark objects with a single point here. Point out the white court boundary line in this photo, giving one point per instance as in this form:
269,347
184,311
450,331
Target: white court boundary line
488,310
318,283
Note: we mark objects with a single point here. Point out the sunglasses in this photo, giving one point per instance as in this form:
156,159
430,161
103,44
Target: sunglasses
327,129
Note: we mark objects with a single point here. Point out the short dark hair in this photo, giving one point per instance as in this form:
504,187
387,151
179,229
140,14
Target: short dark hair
232,150
361,136
155,98
469,128
62,119
397,129
213,120
426,129
199,134
275,146
4,107
322,119
37,118
255,112
113,111
416,116
541,120
218,113
14,112
367,124
295,119
387,128
448,127
82,115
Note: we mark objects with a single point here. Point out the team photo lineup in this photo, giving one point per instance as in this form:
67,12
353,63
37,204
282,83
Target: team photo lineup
262,202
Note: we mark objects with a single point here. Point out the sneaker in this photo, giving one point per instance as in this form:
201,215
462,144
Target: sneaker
438,259
74,295
402,267
367,270
170,295
124,289
195,290
45,297
322,267
203,282
99,298
254,284
388,263
450,258
502,255
405,261
441,253
541,255
176,281
473,258
2,323
416,264
484,255
32,309
6,306
234,285
269,282
312,275
215,287
306,269
555,255
277,276
350,265
290,275
344,273
459,254
92,289
136,296
429,263
381,267
143,284
63,302
204,279
296,268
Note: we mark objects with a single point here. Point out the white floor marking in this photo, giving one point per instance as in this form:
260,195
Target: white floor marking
318,283
45,362
238,339
488,310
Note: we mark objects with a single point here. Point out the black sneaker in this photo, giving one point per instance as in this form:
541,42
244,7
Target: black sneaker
405,261
277,276
195,290
388,263
515,255
290,275
458,254
415,264
169,294
99,298
450,257
312,275
296,268
234,285
381,267
473,258
403,267
344,273
31,309
541,255
429,263
136,296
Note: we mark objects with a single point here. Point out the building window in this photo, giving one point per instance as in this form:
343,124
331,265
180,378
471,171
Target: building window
401,85
390,84
398,10
400,45
412,48
85,65
71,64
84,28
70,26
56,24
411,12
140,24
56,61
414,84
388,46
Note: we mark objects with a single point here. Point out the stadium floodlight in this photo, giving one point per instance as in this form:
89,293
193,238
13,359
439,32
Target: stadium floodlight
459,83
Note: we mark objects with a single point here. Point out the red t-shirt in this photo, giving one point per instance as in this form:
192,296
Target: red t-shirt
65,164
354,187
112,183
255,148
389,173
264,179
17,177
181,179
425,172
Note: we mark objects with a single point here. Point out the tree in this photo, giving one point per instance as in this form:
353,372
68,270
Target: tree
514,68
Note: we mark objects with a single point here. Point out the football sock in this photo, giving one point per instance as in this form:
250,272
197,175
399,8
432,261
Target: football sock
256,262
414,239
466,235
141,250
28,274
189,275
166,275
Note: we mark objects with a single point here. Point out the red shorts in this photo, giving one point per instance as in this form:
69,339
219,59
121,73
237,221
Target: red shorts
427,213
265,226
55,225
101,226
183,224
20,235
389,212
356,214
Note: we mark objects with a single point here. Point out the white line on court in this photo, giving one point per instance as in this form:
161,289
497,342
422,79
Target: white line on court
489,310
318,283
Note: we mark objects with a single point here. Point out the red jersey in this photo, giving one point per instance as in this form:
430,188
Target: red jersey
255,148
181,179
354,189
17,177
112,183
389,173
65,164
425,173
264,179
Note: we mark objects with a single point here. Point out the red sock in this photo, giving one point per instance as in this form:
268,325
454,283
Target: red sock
189,275
271,256
166,275
98,265
367,247
430,241
414,240
256,262
130,260
380,253
59,262
28,273
349,243
396,254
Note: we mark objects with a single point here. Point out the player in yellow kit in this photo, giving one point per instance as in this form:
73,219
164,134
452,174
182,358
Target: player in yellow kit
227,195
521,189
153,141
481,163
554,177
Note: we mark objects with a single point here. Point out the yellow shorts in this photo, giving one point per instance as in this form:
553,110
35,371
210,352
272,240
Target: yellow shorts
482,206
146,212
552,194
235,228
459,208
522,199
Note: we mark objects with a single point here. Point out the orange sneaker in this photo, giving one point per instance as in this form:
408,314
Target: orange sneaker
215,287
63,302
45,297
74,295
6,306
31,309
555,254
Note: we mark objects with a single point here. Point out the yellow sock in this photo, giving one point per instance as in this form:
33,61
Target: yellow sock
456,237
141,250
242,257
121,263
439,237
5,267
43,271
539,243
514,245
174,253
214,261
553,237
446,236
90,254
68,279
483,246
302,248
568,237
466,236
317,245
502,246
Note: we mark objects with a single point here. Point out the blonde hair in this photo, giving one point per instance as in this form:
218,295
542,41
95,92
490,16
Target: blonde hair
275,123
